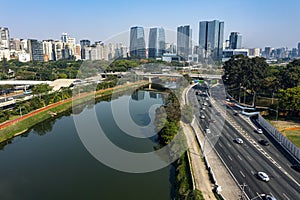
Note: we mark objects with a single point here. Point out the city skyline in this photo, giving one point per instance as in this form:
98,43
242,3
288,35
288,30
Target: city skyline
260,23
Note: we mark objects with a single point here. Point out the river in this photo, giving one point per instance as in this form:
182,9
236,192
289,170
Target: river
50,161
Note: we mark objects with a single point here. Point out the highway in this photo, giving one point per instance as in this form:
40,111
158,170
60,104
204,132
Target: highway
245,160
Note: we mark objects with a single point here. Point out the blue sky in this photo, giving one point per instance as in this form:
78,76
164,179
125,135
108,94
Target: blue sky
262,22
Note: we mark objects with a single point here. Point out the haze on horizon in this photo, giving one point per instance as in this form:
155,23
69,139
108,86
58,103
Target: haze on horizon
262,23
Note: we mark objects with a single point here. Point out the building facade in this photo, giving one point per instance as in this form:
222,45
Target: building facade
211,37
184,41
235,40
157,42
137,42
36,50
4,38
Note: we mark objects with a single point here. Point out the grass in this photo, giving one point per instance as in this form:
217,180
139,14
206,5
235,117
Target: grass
290,129
24,125
293,136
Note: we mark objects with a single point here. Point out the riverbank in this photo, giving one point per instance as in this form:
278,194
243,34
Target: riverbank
18,126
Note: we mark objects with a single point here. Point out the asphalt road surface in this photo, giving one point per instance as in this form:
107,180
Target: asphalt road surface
244,160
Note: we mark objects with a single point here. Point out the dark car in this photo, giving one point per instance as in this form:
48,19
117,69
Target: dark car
264,142
236,114
296,167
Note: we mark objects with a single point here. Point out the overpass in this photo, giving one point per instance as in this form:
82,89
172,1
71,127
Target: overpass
23,82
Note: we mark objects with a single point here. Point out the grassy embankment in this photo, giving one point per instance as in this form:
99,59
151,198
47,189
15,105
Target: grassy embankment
290,129
24,124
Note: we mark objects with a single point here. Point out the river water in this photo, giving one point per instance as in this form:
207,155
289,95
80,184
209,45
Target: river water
50,161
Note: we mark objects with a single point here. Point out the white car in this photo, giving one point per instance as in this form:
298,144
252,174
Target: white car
267,197
259,131
207,131
202,116
263,176
239,140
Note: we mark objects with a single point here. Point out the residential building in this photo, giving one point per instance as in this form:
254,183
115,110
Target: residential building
184,41
83,44
211,36
137,42
15,44
235,40
4,38
156,47
254,52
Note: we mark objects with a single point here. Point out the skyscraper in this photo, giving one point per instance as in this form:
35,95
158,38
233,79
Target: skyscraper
184,41
83,44
137,42
235,40
211,36
36,50
156,42
4,38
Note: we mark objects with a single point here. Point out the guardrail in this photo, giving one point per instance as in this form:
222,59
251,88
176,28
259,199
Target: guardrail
281,139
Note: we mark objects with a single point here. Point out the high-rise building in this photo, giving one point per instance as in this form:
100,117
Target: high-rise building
157,43
184,41
137,42
211,36
255,52
15,44
267,52
36,50
48,50
4,38
83,44
235,40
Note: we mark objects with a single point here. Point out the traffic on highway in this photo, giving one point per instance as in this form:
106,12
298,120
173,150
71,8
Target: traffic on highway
260,166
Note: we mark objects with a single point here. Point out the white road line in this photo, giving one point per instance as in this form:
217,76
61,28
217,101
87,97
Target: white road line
229,157
252,172
249,157
242,174
239,157
220,144
285,196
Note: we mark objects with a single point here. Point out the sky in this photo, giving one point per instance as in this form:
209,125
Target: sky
262,23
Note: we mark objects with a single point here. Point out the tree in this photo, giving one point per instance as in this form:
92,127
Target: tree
289,99
41,89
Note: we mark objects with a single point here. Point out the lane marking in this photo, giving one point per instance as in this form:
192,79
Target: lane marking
239,157
249,158
285,196
242,174
229,157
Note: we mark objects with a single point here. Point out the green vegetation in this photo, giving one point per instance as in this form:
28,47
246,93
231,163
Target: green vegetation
22,126
254,76
167,120
293,136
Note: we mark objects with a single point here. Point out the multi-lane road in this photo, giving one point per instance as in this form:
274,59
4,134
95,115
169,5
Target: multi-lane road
244,160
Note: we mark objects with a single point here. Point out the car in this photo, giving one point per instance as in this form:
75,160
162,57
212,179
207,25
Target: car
259,131
296,167
267,197
212,121
10,98
203,108
205,104
236,114
239,140
264,142
202,116
207,131
263,176
206,99
218,113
